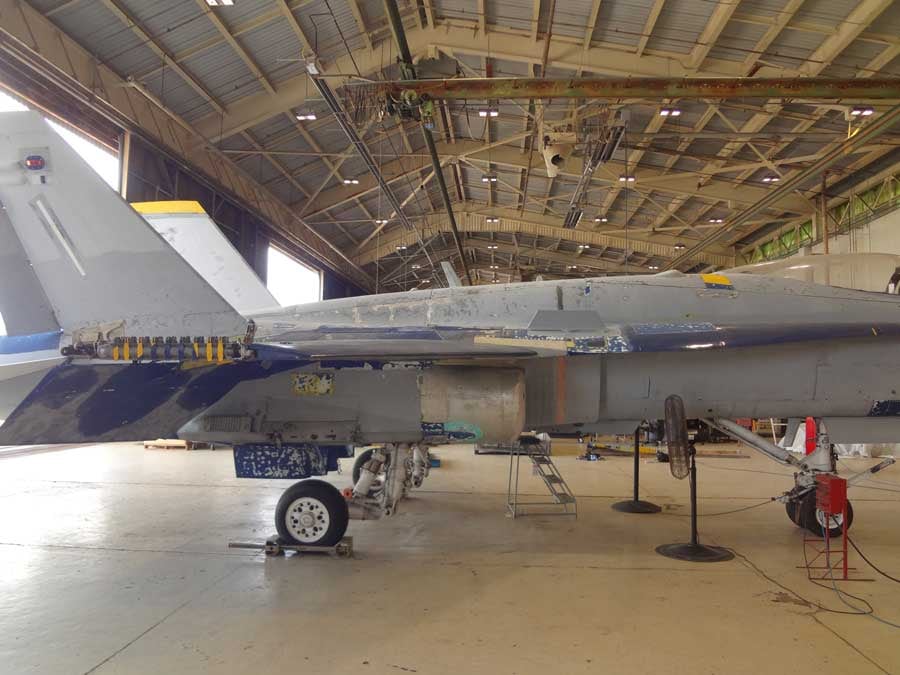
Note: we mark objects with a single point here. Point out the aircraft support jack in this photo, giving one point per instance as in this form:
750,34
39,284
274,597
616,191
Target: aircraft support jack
683,463
636,504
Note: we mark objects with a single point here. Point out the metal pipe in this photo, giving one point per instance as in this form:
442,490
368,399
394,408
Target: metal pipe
883,123
739,433
393,12
812,88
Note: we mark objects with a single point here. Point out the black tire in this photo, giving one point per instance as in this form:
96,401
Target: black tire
807,517
792,510
322,503
364,457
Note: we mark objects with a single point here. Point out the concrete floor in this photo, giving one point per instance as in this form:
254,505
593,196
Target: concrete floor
113,560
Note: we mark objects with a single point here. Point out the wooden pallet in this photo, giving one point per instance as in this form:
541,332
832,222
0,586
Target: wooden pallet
168,444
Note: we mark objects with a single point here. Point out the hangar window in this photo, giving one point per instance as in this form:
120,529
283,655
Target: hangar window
105,163
291,282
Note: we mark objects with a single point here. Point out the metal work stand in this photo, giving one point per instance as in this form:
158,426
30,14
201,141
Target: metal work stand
635,504
543,466
274,546
694,551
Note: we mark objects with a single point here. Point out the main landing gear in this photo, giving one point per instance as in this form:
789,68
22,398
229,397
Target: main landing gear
315,513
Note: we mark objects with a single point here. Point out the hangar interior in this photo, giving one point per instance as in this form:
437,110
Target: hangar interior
297,151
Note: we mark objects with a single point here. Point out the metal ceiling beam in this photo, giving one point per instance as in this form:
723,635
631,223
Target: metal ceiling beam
655,89
843,34
872,130
503,155
661,247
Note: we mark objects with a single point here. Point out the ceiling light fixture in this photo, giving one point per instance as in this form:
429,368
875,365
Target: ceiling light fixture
652,267
220,3
626,179
417,267
861,112
381,221
601,220
492,247
306,116
679,246
489,178
771,179
492,220
716,220
583,246
489,112
495,267
351,181
670,112
401,248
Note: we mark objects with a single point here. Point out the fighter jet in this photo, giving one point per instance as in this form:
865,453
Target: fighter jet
150,349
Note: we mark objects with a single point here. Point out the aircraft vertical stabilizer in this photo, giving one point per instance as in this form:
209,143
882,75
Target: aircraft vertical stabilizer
101,267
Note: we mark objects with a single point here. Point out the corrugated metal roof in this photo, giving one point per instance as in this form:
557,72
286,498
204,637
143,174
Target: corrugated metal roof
680,24
510,13
176,94
324,28
223,73
571,17
792,47
621,24
175,24
738,41
828,12
271,45
100,32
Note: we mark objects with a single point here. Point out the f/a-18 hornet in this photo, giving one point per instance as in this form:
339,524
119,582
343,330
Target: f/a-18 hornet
127,341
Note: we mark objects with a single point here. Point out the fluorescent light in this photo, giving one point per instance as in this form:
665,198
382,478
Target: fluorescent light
716,220
400,248
220,3
417,267
492,247
492,220
489,178
583,246
771,179
670,112
626,179
652,267
306,116
351,181
572,267
488,112
861,112
601,220
679,247
495,267
381,221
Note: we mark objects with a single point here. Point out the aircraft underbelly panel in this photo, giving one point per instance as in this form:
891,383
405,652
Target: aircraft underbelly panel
563,390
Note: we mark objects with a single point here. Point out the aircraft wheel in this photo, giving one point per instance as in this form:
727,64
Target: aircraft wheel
814,520
364,457
792,509
312,513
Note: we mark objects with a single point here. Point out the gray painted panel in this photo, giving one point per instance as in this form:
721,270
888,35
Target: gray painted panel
23,304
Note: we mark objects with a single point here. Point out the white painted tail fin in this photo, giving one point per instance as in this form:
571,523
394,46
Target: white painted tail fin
191,232
452,278
99,264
